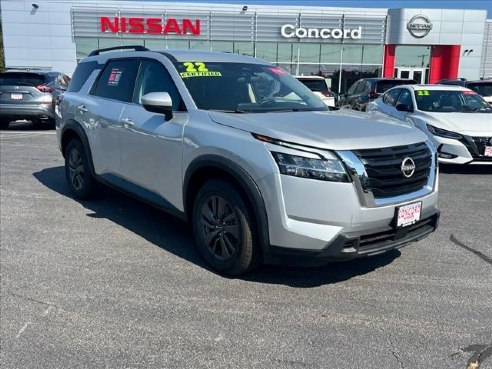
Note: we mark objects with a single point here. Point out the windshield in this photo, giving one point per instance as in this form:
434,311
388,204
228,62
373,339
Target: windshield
20,79
445,101
245,88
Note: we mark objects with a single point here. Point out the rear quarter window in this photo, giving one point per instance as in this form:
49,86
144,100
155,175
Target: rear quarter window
81,74
117,80
21,79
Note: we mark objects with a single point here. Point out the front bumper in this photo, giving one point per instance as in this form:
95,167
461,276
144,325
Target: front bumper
325,220
350,246
464,151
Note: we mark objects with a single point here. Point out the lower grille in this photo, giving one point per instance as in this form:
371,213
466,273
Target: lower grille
480,144
381,239
384,169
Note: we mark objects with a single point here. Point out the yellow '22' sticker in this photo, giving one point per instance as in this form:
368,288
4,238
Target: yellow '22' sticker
423,93
198,69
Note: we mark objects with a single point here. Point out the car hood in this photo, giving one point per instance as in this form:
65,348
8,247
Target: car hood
464,123
323,129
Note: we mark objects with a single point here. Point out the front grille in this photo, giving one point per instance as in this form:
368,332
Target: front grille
383,167
480,143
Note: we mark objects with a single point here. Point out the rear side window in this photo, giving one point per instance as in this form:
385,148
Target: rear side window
117,80
82,72
360,87
21,79
353,88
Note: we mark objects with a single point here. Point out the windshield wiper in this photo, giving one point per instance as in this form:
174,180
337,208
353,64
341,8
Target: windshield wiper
237,111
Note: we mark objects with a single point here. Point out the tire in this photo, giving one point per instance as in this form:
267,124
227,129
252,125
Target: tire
224,228
77,172
4,124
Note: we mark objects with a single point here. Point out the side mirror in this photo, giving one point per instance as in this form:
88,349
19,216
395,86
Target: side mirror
404,107
158,102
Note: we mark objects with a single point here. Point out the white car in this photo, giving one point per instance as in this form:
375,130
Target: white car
458,120
319,87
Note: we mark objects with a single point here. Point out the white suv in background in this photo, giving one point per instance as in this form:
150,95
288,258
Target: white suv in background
248,155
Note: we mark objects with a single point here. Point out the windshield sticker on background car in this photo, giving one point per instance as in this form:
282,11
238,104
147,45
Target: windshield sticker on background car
198,69
423,93
114,77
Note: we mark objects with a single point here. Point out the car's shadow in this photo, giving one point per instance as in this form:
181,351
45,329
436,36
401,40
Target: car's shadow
28,126
465,169
175,236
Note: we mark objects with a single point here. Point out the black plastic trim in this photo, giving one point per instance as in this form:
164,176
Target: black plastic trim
72,125
247,184
337,250
128,47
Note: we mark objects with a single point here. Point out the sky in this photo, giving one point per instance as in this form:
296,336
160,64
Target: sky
439,4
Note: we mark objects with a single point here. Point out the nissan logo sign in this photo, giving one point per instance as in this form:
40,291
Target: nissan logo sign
419,26
408,167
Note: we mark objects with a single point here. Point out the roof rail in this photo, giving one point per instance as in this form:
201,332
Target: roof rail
130,47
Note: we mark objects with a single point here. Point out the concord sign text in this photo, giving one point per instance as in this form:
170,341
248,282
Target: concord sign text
289,31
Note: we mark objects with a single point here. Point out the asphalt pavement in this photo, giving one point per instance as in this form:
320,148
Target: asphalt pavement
114,283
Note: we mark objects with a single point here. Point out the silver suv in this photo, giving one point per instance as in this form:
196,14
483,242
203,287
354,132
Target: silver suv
256,162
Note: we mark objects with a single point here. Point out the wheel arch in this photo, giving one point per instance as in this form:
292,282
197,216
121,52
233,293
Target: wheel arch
71,130
210,166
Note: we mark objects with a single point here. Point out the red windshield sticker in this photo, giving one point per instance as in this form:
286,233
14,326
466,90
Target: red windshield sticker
114,77
469,93
277,70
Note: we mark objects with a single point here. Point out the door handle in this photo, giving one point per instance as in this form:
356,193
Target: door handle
82,109
128,121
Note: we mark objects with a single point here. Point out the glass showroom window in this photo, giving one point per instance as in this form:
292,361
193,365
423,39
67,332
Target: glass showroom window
244,48
84,46
225,46
330,53
162,44
309,53
267,51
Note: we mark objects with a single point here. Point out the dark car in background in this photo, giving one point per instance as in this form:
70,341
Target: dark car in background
366,90
481,87
30,95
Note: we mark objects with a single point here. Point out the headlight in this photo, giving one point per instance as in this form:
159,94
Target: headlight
321,169
443,133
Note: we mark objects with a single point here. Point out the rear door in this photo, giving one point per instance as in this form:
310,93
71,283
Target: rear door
102,112
21,89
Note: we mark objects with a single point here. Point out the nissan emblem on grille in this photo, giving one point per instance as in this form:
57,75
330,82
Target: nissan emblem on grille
408,167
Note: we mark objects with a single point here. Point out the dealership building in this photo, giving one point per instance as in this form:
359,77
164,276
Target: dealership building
341,44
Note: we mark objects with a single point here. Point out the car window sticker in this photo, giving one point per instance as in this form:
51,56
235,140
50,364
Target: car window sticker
114,77
423,93
198,69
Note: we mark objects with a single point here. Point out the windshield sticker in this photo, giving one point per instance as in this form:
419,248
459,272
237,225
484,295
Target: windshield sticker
469,93
114,77
423,93
198,69
277,70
